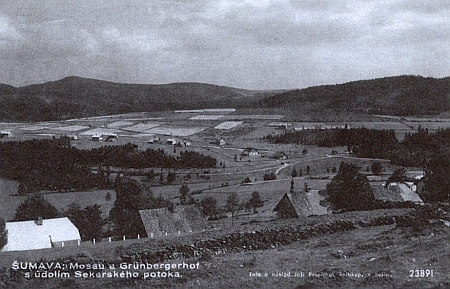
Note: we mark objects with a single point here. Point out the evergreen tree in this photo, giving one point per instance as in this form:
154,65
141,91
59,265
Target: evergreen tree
377,168
35,207
233,204
294,173
171,177
131,197
89,220
255,201
437,181
184,193
209,206
398,176
349,190
151,175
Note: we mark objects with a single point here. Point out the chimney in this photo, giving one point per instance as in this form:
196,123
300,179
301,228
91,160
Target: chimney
39,221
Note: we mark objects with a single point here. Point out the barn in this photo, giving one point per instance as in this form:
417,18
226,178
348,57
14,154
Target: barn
300,204
183,219
41,234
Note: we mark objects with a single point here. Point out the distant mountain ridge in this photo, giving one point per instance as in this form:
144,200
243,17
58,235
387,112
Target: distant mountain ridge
73,97
82,97
400,96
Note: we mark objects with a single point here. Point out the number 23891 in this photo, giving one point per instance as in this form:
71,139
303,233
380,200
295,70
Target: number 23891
421,273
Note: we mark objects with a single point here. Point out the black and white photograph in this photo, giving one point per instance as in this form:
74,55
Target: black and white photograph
299,144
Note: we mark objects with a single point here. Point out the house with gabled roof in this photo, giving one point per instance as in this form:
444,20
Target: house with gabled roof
250,152
41,234
5,133
304,203
396,192
183,219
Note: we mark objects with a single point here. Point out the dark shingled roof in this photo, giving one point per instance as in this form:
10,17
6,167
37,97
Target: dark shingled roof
304,203
184,219
396,193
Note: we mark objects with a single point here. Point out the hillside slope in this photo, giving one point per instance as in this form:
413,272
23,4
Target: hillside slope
80,97
73,97
400,95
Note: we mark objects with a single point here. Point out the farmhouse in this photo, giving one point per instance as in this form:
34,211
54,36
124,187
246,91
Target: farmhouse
300,204
416,175
41,234
72,137
171,141
97,137
280,125
183,219
5,133
248,152
154,140
280,156
219,141
112,137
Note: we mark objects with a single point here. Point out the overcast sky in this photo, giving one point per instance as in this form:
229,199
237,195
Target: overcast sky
253,44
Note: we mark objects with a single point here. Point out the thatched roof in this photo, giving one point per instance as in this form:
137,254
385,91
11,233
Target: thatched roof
184,219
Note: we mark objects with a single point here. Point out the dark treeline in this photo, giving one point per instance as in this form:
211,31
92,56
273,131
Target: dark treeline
56,165
417,149
45,165
127,156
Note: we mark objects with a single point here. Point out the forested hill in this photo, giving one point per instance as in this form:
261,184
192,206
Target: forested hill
400,96
74,97
80,97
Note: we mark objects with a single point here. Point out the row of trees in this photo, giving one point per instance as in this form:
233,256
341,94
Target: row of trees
233,204
56,165
128,156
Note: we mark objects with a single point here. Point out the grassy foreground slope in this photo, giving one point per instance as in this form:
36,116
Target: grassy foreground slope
335,251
